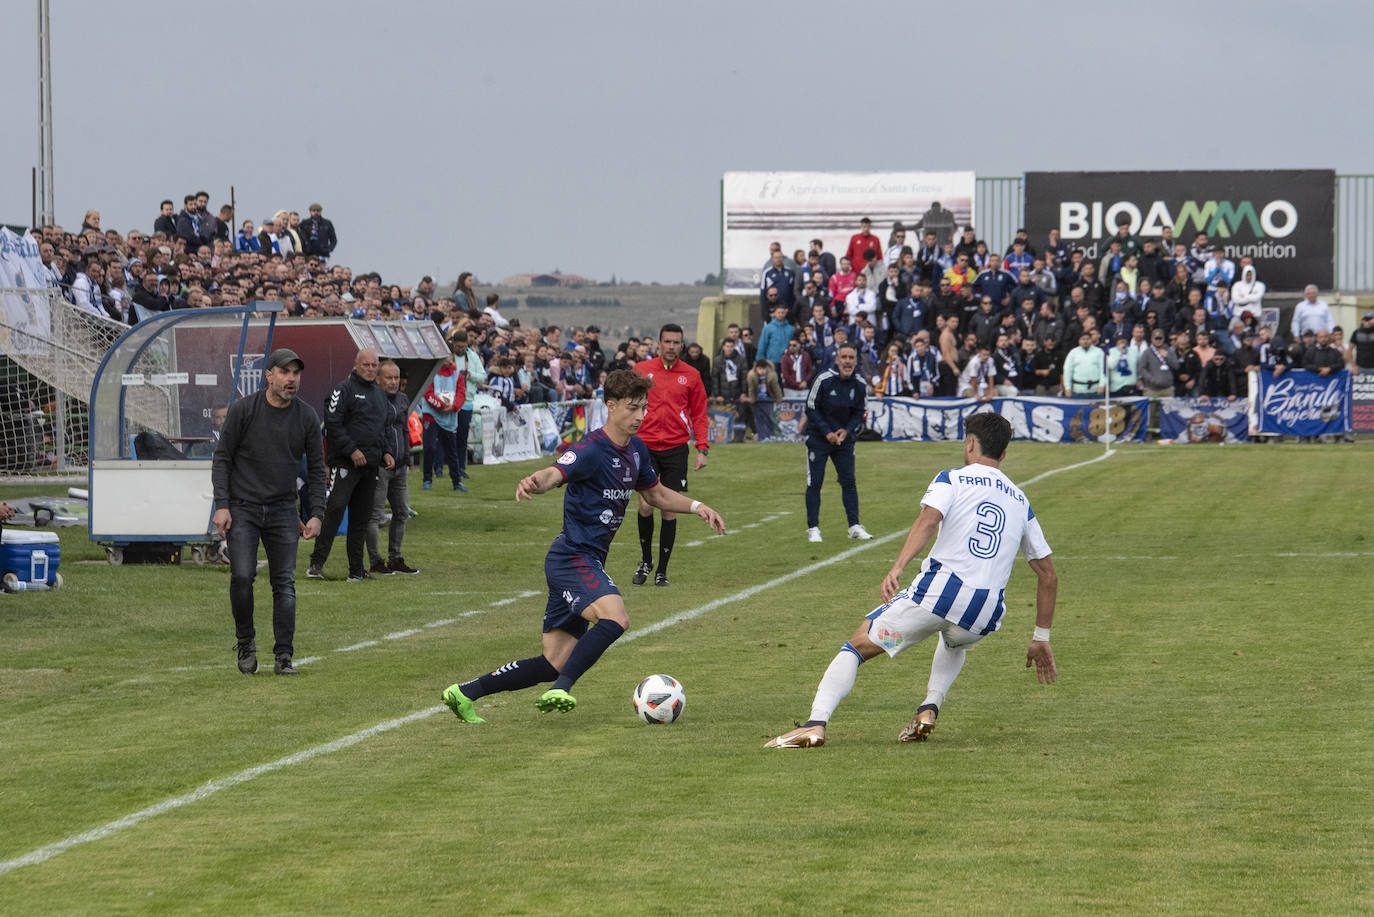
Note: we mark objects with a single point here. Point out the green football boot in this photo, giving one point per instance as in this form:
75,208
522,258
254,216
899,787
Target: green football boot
462,708
555,699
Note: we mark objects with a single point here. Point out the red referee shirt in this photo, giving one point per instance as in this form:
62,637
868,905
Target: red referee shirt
677,405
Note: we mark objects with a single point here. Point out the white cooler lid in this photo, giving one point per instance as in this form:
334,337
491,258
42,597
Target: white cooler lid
27,536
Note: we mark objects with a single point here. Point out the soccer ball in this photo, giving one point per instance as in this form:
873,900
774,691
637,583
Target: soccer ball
659,699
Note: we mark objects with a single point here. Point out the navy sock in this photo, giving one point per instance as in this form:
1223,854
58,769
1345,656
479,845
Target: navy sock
646,537
523,673
666,536
588,650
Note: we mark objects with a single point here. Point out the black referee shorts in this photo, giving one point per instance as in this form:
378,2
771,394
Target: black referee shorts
671,465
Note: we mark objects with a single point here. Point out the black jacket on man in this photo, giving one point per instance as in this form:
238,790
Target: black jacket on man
317,236
396,428
165,224
191,227
355,418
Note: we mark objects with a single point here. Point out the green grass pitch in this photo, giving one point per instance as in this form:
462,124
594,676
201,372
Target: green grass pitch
1209,748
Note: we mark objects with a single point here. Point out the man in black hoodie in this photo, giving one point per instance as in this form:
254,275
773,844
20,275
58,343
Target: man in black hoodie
355,433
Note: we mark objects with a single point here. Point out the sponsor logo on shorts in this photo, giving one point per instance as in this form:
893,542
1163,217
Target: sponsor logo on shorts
890,639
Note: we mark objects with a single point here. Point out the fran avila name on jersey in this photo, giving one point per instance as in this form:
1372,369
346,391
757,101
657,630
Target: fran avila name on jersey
982,481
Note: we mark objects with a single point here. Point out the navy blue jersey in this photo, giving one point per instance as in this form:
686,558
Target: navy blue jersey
601,477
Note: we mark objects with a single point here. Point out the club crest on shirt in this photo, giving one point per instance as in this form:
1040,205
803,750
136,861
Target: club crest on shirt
681,380
567,458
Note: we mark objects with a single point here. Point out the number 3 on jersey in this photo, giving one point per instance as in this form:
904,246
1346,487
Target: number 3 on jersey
991,520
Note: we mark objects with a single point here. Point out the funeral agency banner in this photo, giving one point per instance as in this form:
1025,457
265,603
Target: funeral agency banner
792,208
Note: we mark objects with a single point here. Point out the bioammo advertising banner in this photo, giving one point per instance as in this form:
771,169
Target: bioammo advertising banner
1284,220
792,208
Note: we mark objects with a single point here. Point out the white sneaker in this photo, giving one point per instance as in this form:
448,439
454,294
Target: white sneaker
859,532
813,534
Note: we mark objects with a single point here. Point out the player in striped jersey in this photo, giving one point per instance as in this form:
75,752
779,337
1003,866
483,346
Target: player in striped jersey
982,520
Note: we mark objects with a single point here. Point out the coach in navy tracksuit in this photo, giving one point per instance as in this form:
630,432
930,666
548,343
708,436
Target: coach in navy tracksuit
834,416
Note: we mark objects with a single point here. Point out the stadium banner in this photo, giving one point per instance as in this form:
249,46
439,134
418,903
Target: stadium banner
789,421
1284,219
1300,403
1362,403
25,321
531,430
1204,420
1045,420
720,427
792,208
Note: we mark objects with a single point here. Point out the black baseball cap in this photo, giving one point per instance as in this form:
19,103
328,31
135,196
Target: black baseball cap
282,357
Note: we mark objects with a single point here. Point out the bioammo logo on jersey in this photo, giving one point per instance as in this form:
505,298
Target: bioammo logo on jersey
1275,219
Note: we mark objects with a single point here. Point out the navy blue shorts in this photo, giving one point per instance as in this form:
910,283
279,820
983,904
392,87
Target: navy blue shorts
576,580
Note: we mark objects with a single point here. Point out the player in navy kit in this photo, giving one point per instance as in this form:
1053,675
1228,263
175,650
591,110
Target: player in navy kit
585,613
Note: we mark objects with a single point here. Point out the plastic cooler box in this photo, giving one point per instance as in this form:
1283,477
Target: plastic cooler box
33,557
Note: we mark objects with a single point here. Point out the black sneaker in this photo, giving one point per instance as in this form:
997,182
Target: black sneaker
642,574
284,666
248,657
399,566
381,568
360,576
661,579
315,572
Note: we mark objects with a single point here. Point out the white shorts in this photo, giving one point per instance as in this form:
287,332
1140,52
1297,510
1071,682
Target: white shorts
903,623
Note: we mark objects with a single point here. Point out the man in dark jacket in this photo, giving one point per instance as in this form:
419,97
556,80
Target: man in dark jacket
317,233
166,221
391,482
189,225
834,417
150,297
355,434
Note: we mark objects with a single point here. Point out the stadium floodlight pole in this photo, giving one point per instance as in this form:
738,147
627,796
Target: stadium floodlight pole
46,206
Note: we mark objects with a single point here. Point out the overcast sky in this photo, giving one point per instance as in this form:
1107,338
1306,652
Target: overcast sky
514,137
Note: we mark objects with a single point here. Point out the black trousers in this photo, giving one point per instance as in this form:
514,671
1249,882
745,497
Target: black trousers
441,448
277,527
355,490
461,435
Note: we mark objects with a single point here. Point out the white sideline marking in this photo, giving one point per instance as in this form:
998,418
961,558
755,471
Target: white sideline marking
43,854
1044,474
210,788
402,633
357,646
755,590
752,525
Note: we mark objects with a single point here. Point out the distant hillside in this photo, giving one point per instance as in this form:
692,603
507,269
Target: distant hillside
620,311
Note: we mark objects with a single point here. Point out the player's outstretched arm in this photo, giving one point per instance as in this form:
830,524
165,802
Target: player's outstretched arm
661,497
920,535
1047,590
542,481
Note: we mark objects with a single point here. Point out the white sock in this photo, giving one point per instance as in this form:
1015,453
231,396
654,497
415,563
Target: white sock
944,668
835,683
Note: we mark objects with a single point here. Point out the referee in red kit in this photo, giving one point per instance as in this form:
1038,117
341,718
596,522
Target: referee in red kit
677,412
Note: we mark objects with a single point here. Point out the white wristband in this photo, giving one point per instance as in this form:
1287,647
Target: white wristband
1042,634
695,504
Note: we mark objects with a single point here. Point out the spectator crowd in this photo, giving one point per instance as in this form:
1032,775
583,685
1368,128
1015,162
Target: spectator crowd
1149,316
1152,316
